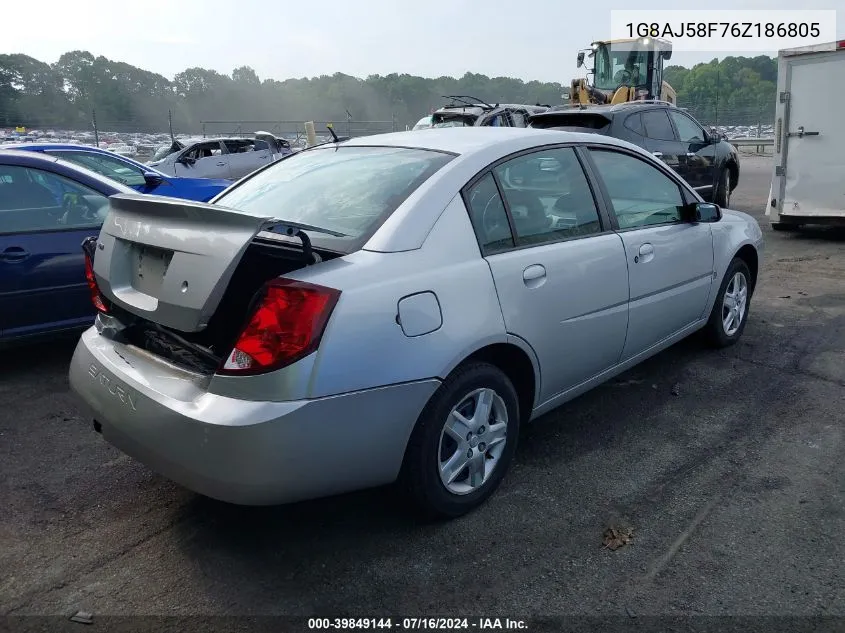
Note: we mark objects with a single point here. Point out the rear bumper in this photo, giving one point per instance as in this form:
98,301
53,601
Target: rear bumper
239,451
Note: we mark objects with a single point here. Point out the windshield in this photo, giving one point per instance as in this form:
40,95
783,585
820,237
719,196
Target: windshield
618,67
423,123
107,166
455,122
349,190
164,151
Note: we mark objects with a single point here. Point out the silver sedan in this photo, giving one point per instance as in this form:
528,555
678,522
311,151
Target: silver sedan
394,308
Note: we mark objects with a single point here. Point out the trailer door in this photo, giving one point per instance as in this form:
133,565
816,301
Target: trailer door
813,137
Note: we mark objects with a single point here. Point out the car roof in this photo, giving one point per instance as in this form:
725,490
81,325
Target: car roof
605,109
43,147
27,158
479,108
468,140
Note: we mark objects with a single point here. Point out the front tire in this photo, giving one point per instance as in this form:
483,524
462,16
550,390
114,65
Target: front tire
730,311
463,442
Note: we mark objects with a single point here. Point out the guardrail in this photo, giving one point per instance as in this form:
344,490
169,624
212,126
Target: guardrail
747,142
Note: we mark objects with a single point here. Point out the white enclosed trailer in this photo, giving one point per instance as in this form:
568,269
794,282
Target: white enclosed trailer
808,183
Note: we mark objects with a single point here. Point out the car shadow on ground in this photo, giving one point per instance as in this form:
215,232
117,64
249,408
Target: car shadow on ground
312,532
817,233
32,357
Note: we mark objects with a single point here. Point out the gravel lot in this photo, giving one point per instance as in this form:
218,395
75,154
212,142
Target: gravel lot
729,466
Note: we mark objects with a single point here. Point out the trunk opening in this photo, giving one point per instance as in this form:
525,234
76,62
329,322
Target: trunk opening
205,350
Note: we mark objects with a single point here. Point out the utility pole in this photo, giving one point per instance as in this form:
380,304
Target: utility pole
94,123
170,123
717,94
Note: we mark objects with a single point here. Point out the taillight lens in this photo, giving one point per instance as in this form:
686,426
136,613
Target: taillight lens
286,326
96,297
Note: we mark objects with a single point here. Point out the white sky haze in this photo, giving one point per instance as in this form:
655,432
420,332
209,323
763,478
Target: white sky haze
283,39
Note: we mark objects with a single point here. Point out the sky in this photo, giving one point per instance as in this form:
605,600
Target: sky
282,39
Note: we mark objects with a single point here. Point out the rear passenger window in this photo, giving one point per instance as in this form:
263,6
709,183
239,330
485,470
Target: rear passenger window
488,216
548,196
657,125
635,123
33,200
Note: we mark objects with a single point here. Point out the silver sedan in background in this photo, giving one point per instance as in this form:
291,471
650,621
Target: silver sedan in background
395,307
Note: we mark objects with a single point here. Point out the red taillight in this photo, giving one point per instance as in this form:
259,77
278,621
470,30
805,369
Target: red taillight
287,325
96,297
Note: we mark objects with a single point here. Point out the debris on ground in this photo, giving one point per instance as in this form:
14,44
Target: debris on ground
628,383
676,389
82,617
616,537
785,297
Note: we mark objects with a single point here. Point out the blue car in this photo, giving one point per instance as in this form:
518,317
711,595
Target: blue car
47,208
142,178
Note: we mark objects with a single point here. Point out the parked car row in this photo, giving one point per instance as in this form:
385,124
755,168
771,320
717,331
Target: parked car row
703,158
142,178
224,158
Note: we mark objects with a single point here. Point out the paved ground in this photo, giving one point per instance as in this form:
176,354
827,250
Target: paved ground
729,466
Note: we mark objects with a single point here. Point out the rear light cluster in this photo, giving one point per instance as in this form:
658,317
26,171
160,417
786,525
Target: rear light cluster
287,325
93,289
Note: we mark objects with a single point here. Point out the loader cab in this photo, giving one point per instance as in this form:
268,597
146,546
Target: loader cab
634,63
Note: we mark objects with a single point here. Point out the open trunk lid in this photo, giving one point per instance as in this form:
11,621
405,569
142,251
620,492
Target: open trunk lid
169,260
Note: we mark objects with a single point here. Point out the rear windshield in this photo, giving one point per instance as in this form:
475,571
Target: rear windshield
349,190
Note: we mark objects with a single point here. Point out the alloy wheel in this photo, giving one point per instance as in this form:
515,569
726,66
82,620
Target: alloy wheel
734,304
472,440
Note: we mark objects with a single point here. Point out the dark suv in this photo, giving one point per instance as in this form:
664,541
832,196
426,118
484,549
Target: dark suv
466,111
707,162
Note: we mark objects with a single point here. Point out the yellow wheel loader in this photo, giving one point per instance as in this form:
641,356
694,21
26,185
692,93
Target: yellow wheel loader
623,70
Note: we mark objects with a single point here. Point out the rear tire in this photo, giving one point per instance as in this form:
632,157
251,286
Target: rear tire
781,226
730,310
722,195
452,441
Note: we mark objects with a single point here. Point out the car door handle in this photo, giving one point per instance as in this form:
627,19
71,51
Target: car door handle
14,254
534,276
646,254
221,164
690,154
658,154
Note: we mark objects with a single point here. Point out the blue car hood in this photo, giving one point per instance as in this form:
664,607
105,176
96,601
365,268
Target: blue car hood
199,182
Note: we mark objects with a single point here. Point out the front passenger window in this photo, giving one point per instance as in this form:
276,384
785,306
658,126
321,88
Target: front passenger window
32,200
688,130
640,194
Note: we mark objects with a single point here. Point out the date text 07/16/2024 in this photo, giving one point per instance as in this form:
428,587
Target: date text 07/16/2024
416,624
723,29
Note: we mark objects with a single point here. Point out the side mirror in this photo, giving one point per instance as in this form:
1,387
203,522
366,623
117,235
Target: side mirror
186,160
714,136
703,212
580,59
152,178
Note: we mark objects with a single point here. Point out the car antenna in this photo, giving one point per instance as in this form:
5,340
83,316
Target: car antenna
333,133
